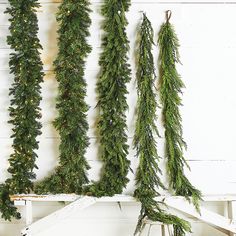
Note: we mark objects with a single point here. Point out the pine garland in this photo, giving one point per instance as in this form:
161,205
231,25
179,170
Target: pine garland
26,66
147,179
171,86
115,74
71,174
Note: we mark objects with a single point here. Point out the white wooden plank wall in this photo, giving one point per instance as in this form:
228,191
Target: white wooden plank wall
207,34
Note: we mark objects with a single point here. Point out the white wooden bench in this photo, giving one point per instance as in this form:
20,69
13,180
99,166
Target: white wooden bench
78,203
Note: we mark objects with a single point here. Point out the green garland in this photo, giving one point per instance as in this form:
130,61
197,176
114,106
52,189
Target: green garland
115,73
71,174
171,87
26,66
147,179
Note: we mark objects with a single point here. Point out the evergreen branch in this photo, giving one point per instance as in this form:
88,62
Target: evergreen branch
147,179
111,87
7,208
171,87
26,66
71,123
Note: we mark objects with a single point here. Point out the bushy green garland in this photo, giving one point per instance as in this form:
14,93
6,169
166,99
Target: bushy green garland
26,66
71,174
115,73
171,87
147,177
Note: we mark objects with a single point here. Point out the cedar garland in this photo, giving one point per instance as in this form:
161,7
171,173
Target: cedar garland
26,66
147,179
71,174
171,86
115,74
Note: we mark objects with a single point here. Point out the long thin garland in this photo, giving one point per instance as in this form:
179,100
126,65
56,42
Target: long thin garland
71,174
147,179
171,87
26,66
115,73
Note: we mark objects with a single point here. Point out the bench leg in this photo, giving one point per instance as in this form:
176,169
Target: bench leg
232,213
29,212
163,231
142,229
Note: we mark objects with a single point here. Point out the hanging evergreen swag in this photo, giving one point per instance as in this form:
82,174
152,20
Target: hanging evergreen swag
147,179
171,87
71,174
26,66
115,73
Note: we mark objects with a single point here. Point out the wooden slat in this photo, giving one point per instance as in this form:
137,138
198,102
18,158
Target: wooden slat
206,216
116,198
48,221
152,1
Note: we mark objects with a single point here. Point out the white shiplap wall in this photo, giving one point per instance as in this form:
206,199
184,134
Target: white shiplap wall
207,34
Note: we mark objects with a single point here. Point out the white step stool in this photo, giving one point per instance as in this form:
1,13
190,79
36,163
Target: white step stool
165,230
